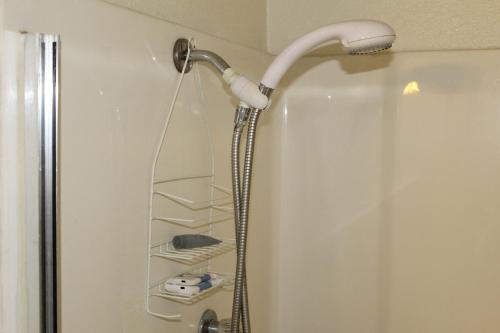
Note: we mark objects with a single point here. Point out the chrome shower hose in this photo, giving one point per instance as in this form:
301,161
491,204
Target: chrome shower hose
241,196
243,309
240,298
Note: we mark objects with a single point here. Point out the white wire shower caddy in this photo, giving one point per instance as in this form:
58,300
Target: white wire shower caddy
187,202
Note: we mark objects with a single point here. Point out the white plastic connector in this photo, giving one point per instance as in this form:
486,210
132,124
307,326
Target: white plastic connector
228,75
247,91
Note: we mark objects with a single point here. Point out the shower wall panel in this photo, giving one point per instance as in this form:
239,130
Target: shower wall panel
117,81
385,195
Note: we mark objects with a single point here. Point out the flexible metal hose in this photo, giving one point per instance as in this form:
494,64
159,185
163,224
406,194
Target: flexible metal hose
241,235
242,310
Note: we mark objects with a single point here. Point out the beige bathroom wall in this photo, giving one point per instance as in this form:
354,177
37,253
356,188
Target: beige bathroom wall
270,25
420,25
240,21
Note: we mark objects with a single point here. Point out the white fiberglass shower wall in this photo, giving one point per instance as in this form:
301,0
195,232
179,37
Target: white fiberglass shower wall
117,81
385,195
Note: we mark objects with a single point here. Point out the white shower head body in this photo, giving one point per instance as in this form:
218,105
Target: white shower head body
358,37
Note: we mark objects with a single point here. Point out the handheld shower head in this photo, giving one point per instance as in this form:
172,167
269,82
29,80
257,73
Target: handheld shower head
357,37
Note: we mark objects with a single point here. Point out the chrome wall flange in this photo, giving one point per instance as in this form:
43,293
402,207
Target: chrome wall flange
210,324
207,322
179,55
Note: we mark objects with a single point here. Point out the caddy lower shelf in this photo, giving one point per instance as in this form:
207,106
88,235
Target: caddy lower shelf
159,291
193,256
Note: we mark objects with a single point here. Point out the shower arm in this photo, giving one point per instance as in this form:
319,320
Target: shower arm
245,90
208,56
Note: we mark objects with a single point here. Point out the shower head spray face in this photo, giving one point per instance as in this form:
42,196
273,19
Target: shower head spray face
365,37
357,37
369,49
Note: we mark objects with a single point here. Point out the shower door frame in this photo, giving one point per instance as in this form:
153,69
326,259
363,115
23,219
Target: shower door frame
29,182
41,84
49,180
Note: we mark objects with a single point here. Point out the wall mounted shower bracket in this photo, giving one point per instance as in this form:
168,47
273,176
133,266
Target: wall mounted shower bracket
181,47
246,90
180,52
